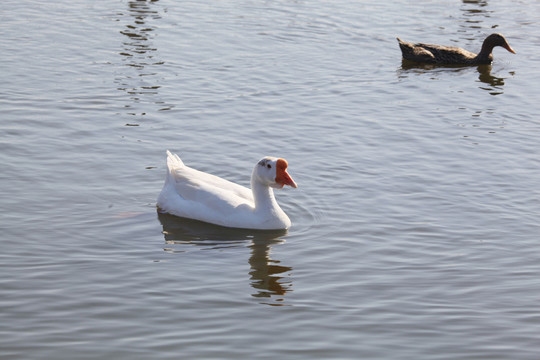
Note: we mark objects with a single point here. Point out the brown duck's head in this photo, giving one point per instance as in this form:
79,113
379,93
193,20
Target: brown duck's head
496,40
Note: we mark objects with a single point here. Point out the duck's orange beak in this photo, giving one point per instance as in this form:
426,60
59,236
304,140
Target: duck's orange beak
282,176
507,47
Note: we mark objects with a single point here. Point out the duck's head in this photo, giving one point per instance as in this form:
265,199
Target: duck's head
497,40
272,172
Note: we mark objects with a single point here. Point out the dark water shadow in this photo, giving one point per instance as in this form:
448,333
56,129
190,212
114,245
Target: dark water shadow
418,67
473,15
140,79
494,84
270,280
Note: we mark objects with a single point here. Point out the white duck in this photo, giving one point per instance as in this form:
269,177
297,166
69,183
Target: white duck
198,195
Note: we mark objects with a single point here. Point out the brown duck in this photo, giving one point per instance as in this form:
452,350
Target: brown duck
437,54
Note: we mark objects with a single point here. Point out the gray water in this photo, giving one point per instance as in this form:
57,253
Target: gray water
415,225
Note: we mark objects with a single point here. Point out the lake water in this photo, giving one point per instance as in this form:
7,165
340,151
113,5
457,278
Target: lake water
416,231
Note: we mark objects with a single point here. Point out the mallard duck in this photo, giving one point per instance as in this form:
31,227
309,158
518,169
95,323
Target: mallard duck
194,194
437,54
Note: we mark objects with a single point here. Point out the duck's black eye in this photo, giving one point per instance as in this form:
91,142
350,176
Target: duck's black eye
269,166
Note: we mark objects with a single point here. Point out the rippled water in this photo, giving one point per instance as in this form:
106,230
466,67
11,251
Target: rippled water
415,225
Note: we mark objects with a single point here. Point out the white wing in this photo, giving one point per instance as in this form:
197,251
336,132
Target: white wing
195,194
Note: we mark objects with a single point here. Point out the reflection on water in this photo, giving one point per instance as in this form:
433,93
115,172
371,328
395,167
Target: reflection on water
421,68
267,277
495,83
477,2
474,12
270,280
139,54
137,47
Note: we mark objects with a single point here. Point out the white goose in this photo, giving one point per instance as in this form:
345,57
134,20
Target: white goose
198,195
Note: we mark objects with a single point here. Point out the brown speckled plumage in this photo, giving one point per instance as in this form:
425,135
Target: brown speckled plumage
437,54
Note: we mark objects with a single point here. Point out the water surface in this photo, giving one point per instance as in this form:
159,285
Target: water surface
415,224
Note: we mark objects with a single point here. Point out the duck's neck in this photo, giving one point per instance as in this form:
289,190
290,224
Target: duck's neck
485,55
263,196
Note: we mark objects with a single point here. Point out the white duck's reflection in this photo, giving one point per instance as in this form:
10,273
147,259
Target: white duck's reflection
270,279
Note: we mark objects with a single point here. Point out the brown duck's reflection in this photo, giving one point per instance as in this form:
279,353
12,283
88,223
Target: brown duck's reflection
408,66
495,83
270,280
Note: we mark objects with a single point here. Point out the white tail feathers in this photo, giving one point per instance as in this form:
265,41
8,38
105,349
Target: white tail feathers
173,161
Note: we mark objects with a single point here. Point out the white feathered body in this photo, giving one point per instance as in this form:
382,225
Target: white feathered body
201,196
